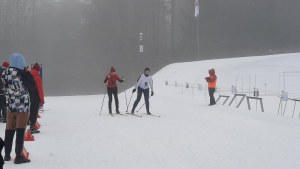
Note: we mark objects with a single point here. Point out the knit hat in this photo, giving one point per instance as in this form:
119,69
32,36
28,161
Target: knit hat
17,61
37,67
5,64
112,69
147,69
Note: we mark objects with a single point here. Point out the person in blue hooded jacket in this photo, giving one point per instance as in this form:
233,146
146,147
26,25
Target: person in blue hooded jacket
17,81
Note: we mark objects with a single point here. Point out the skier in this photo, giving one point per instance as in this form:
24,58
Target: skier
143,83
112,89
212,83
2,96
17,80
36,97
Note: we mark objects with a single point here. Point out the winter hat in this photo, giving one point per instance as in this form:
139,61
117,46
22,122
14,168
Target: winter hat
17,61
112,69
5,64
37,67
147,69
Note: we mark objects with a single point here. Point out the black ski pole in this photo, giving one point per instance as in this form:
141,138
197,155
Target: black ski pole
103,101
129,102
125,91
142,105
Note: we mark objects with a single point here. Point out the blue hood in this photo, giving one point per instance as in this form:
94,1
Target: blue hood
17,61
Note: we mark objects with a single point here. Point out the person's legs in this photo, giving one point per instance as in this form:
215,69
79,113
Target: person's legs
21,122
109,93
139,96
146,96
34,109
211,95
115,93
9,134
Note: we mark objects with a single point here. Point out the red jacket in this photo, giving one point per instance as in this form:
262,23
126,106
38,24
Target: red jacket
112,81
39,84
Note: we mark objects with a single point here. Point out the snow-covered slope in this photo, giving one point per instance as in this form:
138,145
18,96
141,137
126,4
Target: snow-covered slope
189,134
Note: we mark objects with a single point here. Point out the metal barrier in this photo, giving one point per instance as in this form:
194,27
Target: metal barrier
227,97
243,95
255,98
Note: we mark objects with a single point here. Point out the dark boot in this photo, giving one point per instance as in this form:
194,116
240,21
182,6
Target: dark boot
132,111
20,159
148,112
109,107
33,130
20,134
9,137
117,111
7,158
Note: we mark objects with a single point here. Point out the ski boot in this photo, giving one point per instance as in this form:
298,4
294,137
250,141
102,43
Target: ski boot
117,111
148,112
132,111
33,130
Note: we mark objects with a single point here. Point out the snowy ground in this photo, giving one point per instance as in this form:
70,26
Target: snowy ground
189,134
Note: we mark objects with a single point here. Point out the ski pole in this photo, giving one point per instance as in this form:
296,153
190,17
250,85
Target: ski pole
103,100
125,92
142,105
129,102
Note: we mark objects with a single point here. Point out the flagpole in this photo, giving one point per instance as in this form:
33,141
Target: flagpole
198,38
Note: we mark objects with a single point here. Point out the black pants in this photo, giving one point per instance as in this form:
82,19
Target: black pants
3,110
34,109
110,92
139,96
211,92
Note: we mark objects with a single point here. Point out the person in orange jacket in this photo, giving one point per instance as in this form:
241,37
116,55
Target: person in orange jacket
36,97
212,83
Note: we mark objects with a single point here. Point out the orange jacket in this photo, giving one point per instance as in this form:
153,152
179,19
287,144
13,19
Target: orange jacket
212,79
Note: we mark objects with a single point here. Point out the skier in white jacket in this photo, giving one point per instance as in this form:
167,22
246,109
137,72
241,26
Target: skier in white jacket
144,82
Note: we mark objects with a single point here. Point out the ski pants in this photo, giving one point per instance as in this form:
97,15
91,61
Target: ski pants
211,92
34,109
139,96
110,92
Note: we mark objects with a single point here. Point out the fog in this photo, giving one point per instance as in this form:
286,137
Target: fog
77,41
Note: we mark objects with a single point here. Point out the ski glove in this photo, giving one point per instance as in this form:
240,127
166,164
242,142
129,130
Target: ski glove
133,90
152,93
108,76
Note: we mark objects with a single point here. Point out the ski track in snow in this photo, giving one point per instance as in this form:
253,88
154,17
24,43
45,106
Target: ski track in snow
189,134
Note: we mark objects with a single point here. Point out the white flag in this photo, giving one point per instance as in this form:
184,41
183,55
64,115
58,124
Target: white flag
196,8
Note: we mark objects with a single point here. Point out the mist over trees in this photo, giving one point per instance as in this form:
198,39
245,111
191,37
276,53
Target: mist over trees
77,41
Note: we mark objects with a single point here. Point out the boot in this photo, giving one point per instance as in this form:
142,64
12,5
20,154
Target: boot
109,107
117,106
20,159
132,111
7,158
117,111
20,134
148,112
33,130
9,137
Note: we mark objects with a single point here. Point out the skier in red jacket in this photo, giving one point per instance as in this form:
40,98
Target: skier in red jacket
36,97
112,89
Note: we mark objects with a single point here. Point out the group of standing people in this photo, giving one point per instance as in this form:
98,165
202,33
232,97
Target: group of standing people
22,91
142,86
